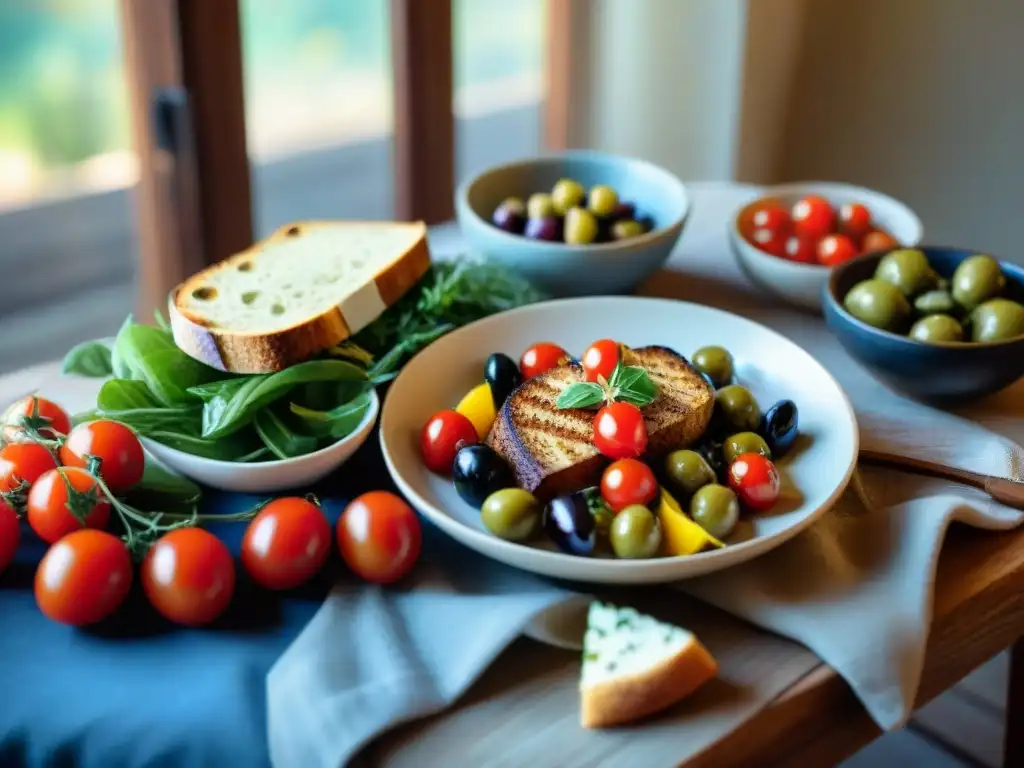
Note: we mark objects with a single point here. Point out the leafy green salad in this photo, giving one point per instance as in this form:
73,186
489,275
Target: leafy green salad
171,398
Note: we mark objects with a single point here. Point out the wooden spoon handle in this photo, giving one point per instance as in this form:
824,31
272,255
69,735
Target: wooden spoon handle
1004,491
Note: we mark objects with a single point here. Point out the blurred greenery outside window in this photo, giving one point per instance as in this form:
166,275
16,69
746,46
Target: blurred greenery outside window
317,73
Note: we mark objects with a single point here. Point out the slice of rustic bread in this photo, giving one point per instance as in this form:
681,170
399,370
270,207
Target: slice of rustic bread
305,288
551,450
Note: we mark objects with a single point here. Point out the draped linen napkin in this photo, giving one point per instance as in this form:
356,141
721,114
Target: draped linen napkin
856,588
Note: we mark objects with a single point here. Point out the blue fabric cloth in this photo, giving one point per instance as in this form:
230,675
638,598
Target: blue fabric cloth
140,692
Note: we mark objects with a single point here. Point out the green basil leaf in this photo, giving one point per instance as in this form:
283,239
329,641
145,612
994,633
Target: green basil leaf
124,394
90,358
223,415
117,364
161,321
580,395
220,388
338,422
259,454
151,356
230,448
349,350
282,441
635,386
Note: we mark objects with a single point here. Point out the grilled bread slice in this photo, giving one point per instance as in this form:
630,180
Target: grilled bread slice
551,450
305,288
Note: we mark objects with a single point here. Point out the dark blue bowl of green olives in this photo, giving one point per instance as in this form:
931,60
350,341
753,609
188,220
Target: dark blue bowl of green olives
943,325
579,223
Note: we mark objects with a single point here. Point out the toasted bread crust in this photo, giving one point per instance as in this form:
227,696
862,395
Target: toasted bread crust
524,430
614,702
271,352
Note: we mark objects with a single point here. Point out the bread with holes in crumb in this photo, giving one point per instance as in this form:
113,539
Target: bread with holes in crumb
551,450
635,666
307,287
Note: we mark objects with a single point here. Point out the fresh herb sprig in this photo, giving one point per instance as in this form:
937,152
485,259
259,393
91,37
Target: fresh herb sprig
627,384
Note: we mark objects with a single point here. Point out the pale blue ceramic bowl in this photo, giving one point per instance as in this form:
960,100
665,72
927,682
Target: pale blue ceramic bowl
576,270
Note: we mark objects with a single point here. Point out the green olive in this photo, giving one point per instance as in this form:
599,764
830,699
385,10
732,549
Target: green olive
689,471
627,228
997,320
567,194
737,408
879,304
716,509
539,206
937,302
716,363
937,328
511,513
602,200
908,269
977,279
744,442
580,226
635,533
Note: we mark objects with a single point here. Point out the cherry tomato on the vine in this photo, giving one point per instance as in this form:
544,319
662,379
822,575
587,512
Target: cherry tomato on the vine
442,436
10,533
620,431
119,450
801,249
771,217
627,482
189,576
286,543
771,241
540,358
755,480
813,217
877,240
23,462
54,419
379,537
835,249
600,359
55,509
854,220
83,578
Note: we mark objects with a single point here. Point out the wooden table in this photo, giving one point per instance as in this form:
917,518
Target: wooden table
979,611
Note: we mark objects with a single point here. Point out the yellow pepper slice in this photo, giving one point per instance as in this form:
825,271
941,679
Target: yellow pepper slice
478,407
680,534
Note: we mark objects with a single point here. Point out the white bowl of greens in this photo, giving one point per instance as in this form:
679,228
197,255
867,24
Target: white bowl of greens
264,433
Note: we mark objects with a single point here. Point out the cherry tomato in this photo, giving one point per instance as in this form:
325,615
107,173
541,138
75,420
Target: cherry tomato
801,249
835,249
813,217
619,431
23,462
54,512
771,241
854,220
540,358
626,482
57,421
117,447
83,578
286,543
877,240
189,576
755,481
774,218
379,537
442,436
600,359
10,533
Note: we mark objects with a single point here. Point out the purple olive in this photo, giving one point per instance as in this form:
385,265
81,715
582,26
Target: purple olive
569,524
510,216
549,228
623,211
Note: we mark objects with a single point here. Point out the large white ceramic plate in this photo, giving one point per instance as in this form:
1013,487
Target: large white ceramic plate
815,473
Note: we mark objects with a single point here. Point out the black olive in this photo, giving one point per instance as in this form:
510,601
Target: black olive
502,374
710,447
569,523
478,472
780,427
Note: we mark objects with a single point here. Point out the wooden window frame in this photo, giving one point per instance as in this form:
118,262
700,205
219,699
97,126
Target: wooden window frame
185,75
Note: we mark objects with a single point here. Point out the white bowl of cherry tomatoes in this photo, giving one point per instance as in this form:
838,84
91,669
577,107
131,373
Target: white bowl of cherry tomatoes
789,239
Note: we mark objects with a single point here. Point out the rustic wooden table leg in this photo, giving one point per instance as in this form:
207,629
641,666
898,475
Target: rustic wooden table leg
1013,744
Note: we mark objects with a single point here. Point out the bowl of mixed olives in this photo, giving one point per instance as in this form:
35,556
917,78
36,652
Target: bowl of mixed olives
575,224
940,324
